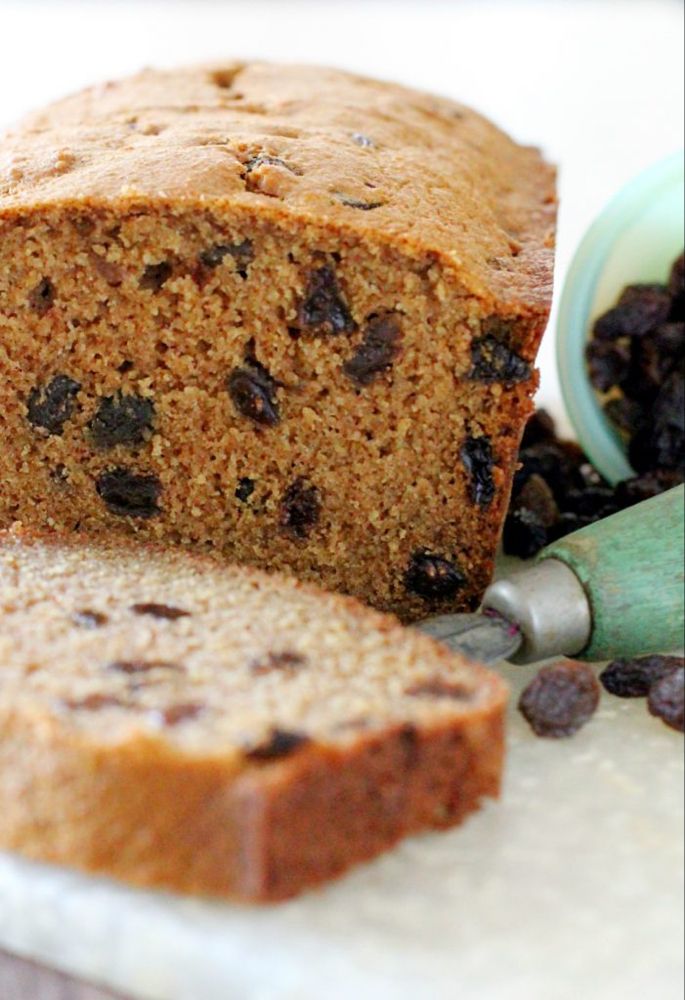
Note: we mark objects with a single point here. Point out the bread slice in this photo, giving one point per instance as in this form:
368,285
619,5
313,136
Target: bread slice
170,721
284,311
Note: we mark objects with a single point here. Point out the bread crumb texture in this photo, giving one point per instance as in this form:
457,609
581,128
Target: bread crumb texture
284,312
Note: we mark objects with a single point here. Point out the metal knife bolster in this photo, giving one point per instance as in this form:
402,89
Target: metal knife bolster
550,607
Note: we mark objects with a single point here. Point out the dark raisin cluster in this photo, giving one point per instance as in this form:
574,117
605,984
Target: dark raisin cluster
657,678
557,490
635,355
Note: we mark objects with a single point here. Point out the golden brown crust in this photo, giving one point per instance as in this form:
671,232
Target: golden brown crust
396,734
449,181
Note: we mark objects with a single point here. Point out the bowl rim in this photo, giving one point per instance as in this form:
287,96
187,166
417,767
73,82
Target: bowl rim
601,442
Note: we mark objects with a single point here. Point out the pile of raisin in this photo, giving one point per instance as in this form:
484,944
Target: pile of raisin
657,678
635,356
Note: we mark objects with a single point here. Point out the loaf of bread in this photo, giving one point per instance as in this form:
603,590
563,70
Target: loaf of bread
285,312
172,721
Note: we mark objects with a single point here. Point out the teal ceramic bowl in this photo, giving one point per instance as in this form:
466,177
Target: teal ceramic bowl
635,239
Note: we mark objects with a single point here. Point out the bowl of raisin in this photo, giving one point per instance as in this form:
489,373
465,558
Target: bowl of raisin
621,332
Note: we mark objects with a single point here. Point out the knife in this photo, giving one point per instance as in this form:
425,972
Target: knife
612,589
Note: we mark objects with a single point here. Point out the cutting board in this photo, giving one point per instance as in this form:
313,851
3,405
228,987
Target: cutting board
569,887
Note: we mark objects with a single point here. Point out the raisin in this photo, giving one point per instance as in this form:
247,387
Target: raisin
244,489
129,494
279,743
324,311
625,413
50,406
493,361
653,358
540,428
608,362
358,203
285,661
263,160
42,298
634,678
94,702
666,699
569,522
300,508
639,309
141,666
242,253
558,463
377,351
524,533
676,288
433,577
155,275
478,459
122,419
253,392
363,140
175,714
661,444
592,501
536,496
561,699
89,619
438,687
159,611
644,487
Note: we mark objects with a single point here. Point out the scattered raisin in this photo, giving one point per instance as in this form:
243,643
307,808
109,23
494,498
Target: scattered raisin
51,405
540,428
493,361
142,666
439,687
175,714
666,701
244,489
285,661
89,619
155,275
300,508
94,702
536,496
644,487
279,743
122,419
253,392
524,533
433,577
560,699
634,678
324,311
358,203
242,253
129,494
595,501
377,351
42,298
159,611
478,459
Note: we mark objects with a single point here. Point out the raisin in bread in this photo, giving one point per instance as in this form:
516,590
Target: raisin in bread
171,721
284,311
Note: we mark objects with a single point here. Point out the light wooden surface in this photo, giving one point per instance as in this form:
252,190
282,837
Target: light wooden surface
26,981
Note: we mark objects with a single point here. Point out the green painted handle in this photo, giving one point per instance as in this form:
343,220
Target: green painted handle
631,567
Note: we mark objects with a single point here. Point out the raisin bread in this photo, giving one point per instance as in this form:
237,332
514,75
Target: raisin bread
284,311
172,721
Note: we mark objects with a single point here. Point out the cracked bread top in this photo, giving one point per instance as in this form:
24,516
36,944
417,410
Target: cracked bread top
305,147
